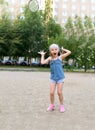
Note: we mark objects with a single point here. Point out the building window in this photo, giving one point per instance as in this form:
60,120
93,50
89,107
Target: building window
12,9
73,7
92,15
13,1
93,8
64,13
83,8
83,1
56,6
65,0
93,1
74,0
82,15
22,2
73,14
12,17
56,0
64,6
55,13
64,20
21,10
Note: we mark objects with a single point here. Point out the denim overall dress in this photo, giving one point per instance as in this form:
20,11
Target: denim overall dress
57,72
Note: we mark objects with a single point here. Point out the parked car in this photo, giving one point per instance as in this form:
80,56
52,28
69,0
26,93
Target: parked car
14,62
7,62
35,63
23,63
93,67
1,62
45,65
38,64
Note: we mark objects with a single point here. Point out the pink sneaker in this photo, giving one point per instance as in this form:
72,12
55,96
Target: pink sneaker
62,109
51,107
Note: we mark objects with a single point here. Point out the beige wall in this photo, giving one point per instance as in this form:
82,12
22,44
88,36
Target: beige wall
62,9
13,7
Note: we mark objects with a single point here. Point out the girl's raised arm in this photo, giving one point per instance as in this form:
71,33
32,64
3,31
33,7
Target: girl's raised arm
65,54
43,60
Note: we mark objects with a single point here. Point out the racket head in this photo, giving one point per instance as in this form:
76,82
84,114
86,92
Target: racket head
33,5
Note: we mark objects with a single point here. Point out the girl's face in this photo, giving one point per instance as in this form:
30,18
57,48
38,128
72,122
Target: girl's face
54,52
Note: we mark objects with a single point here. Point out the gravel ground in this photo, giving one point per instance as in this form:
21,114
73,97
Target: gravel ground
24,98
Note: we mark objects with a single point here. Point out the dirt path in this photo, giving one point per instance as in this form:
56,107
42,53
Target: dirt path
24,97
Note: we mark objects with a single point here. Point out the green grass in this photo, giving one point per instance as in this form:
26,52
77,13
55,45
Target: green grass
42,69
22,68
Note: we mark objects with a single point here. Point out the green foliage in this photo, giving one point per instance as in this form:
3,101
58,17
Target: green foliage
31,32
27,35
1,1
79,34
53,29
5,36
48,11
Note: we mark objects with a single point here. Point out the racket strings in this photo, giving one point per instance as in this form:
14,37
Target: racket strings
33,5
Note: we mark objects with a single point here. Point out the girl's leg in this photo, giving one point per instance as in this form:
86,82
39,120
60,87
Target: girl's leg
60,94
52,92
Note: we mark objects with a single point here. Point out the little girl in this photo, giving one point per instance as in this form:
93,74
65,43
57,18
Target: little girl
57,74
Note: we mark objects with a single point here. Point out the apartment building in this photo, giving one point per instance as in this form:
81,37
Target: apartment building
15,7
62,9
12,7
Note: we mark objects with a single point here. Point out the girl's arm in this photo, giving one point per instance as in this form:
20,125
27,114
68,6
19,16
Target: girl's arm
65,54
43,60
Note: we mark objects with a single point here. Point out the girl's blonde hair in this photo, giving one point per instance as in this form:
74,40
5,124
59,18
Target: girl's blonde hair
54,46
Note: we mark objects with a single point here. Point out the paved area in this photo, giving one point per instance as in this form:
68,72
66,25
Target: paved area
24,97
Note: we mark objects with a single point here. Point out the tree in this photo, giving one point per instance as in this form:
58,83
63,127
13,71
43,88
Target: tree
1,1
48,10
71,41
79,37
85,56
53,29
29,33
5,36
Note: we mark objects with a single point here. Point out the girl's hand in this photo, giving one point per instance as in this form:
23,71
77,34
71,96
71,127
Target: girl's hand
62,48
42,52
65,53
